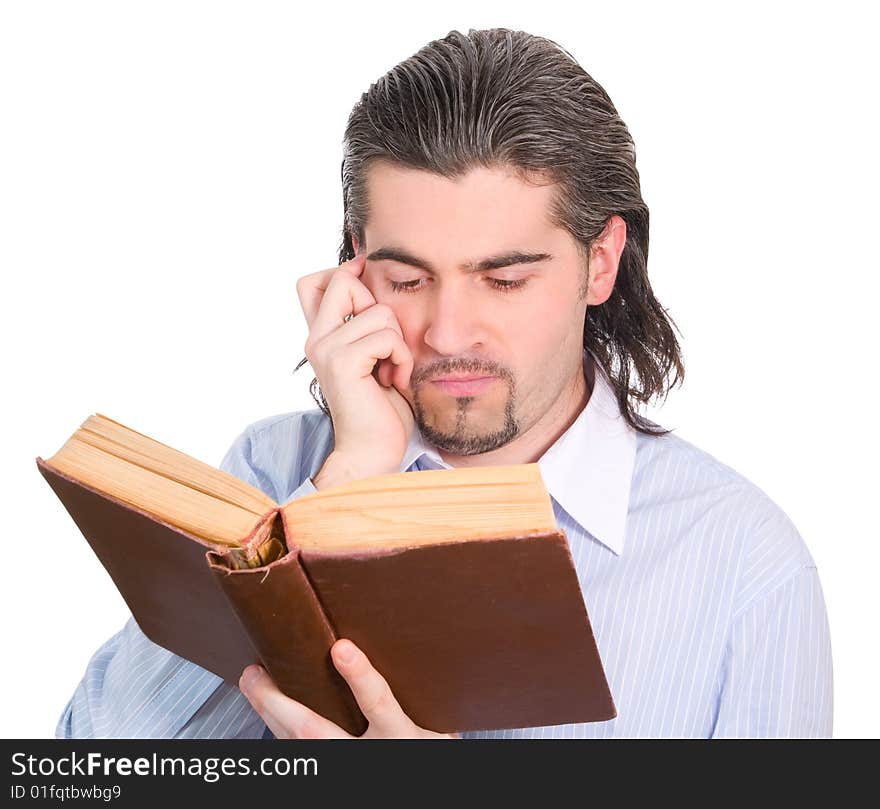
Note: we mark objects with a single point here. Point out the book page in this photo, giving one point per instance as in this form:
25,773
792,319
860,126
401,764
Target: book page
415,508
162,481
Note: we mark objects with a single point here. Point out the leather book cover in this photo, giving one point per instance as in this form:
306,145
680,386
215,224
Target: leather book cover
277,606
186,599
472,635
163,575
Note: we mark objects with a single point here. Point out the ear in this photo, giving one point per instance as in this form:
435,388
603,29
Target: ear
605,255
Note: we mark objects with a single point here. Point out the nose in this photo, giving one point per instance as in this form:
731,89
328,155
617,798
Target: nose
455,324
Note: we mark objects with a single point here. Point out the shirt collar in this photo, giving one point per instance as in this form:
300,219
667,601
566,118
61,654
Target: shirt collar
588,470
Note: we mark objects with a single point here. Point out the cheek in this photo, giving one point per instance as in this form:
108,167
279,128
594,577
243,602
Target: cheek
536,336
539,317
410,321
545,330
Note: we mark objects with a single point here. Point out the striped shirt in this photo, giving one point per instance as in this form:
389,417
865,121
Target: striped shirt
704,600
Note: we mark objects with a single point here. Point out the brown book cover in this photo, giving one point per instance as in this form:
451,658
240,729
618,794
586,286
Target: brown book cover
473,635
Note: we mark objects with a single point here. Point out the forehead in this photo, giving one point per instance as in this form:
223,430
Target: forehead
485,203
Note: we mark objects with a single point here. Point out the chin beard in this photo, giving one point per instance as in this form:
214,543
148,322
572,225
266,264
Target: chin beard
461,441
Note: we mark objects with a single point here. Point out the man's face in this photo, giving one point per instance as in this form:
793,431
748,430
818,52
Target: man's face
460,322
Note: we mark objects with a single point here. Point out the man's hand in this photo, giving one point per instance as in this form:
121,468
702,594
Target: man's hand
289,719
362,363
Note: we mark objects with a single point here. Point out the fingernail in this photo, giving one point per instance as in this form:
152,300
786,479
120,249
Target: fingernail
248,677
346,653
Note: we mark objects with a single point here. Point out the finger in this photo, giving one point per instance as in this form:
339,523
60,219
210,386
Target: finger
403,372
370,689
385,372
375,317
286,718
395,376
385,344
389,375
345,295
311,288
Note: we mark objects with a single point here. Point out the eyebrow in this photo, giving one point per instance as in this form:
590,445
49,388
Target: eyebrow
493,263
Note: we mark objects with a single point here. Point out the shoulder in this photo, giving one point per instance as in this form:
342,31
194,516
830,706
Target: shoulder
287,424
760,542
277,453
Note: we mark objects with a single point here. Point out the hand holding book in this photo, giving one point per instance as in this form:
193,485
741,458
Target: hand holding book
289,719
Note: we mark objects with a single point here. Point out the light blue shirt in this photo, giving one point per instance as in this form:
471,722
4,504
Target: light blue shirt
704,600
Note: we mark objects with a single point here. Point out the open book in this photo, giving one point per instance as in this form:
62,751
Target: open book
457,584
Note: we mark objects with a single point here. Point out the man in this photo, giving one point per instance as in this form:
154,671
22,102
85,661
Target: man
492,306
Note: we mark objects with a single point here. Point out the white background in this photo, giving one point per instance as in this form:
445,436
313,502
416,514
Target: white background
169,169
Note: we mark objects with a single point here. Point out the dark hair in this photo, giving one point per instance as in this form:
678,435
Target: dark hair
499,97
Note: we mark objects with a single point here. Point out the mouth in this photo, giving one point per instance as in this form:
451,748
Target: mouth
464,385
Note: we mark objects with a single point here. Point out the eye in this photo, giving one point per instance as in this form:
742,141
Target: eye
501,284
406,286
505,285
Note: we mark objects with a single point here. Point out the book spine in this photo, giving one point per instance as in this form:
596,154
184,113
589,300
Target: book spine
290,632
